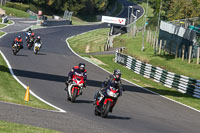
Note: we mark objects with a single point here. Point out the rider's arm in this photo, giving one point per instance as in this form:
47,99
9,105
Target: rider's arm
70,74
85,75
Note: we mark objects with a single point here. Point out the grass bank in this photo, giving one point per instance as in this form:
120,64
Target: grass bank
8,127
15,12
91,42
11,91
128,74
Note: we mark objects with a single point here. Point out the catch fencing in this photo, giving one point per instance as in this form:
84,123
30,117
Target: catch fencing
182,83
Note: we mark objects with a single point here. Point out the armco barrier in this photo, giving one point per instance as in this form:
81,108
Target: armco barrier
171,80
55,22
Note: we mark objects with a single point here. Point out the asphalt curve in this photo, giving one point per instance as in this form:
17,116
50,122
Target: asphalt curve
136,111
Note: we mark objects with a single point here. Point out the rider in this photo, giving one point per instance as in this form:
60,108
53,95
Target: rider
28,33
38,40
113,80
18,40
77,70
33,35
29,30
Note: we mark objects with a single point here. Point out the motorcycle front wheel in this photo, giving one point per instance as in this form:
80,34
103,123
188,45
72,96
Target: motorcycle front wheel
105,109
74,95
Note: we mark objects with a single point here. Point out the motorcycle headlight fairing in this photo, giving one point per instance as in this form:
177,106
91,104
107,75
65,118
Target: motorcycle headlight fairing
112,94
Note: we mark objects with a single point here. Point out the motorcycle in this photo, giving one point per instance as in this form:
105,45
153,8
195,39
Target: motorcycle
75,87
105,101
37,47
16,48
30,42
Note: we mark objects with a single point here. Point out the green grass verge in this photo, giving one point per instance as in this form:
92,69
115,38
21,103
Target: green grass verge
2,25
2,33
78,21
94,41
15,12
167,61
9,22
8,127
12,91
129,74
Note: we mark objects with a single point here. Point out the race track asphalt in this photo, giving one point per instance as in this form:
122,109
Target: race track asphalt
137,111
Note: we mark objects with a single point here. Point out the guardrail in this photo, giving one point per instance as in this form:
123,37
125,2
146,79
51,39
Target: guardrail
182,83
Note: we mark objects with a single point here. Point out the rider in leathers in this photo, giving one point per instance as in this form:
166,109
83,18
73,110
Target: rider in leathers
113,80
79,71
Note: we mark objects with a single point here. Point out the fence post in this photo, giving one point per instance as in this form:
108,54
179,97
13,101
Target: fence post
183,52
176,51
160,46
190,53
147,38
198,55
164,49
150,38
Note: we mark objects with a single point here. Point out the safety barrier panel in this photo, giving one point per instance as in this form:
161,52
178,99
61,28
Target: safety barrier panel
182,83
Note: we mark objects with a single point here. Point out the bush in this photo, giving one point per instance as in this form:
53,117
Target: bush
18,6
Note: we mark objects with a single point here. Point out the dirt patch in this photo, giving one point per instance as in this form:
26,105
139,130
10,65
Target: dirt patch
2,11
136,80
87,50
96,60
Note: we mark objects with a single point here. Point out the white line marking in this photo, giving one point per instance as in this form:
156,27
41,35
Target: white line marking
32,93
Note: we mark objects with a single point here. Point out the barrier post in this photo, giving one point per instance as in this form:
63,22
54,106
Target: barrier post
183,52
190,52
198,55
160,46
176,51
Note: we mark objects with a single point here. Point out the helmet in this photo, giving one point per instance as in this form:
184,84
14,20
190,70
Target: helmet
32,34
29,30
19,37
82,67
117,74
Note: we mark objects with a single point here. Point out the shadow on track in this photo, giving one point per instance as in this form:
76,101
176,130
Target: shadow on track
58,78
84,101
118,117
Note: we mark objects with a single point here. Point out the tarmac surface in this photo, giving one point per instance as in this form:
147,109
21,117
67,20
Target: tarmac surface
138,110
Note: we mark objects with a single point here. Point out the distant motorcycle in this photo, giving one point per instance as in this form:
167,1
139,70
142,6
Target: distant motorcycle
105,101
75,87
37,47
30,42
16,48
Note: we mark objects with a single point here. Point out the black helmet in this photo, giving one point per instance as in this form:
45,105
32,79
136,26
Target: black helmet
117,74
82,67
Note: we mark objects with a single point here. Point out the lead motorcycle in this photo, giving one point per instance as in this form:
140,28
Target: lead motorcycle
15,48
105,101
75,87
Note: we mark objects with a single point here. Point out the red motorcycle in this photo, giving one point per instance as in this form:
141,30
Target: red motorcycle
75,87
30,42
105,101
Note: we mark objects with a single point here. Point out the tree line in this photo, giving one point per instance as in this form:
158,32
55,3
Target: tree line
75,6
176,9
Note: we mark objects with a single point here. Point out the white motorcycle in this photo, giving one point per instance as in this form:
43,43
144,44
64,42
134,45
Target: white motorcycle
37,47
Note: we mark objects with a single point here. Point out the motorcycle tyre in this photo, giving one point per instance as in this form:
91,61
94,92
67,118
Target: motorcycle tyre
96,112
104,113
36,51
74,95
